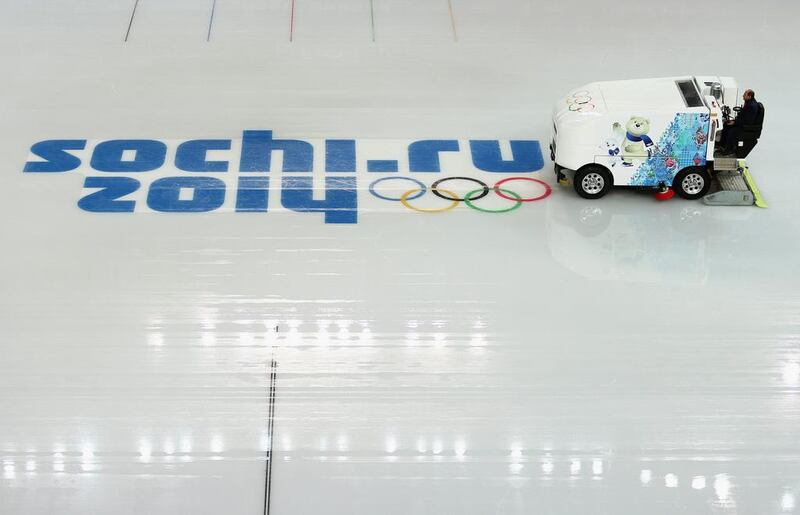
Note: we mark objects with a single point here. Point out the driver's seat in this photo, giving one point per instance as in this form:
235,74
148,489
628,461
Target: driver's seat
747,136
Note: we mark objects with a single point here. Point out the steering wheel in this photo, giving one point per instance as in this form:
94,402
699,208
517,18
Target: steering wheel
726,113
737,109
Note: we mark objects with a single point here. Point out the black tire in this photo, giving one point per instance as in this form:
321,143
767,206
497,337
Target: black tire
692,183
592,181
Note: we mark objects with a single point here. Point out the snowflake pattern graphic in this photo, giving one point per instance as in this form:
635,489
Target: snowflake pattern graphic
683,144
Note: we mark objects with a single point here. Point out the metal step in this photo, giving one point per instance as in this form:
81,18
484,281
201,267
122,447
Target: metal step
729,189
732,182
727,163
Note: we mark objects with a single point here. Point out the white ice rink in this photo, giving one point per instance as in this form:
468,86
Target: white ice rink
569,357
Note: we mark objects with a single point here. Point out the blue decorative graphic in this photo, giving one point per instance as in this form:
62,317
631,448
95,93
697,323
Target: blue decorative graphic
683,144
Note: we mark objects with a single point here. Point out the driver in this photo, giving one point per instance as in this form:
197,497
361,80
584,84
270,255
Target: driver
747,116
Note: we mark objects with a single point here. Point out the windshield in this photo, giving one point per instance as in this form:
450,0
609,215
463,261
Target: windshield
691,97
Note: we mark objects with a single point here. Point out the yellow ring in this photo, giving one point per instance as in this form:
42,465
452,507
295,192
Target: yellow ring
404,201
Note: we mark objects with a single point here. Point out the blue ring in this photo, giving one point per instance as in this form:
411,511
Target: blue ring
422,188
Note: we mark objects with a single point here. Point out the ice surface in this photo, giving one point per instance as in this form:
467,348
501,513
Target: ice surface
618,357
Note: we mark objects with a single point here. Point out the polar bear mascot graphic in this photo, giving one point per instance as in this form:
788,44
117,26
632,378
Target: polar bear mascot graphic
611,147
637,144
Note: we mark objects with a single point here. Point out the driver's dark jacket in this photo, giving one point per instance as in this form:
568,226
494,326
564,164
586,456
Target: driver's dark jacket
748,114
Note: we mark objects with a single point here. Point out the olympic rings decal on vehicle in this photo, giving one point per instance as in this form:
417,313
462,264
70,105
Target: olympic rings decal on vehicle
581,107
580,101
500,189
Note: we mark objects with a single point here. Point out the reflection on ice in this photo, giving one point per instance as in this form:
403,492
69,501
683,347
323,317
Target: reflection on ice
217,444
9,469
698,482
791,373
145,450
460,448
788,501
722,487
630,240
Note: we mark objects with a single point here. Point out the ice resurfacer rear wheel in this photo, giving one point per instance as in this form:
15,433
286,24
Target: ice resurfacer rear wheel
692,183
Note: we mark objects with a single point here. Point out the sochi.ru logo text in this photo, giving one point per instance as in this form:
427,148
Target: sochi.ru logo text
260,173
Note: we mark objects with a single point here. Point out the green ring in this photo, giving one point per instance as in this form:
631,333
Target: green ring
468,196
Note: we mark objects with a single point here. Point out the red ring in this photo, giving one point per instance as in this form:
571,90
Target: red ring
547,189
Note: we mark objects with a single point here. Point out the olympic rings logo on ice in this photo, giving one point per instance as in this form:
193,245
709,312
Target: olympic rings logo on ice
454,200
580,101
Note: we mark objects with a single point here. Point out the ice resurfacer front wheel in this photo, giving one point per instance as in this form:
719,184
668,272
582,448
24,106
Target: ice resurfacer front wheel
593,181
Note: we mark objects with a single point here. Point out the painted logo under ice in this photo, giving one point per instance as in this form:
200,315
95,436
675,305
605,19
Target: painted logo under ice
314,176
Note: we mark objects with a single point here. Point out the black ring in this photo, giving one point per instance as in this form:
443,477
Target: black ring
481,183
